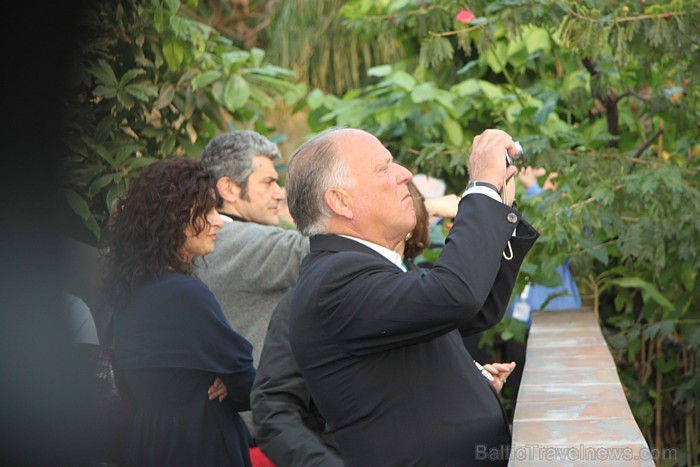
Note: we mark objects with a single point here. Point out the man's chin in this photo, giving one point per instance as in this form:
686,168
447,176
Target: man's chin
269,220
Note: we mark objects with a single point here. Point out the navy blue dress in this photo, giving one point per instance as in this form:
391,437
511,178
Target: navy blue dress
172,341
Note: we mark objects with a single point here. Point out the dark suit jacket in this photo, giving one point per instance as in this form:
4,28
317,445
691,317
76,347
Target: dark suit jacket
288,427
380,348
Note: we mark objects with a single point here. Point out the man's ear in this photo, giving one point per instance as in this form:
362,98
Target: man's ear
338,201
228,189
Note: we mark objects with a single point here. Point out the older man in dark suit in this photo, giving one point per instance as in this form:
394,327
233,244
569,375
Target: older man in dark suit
380,349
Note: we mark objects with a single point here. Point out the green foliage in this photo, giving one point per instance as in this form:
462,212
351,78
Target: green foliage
605,94
313,39
148,83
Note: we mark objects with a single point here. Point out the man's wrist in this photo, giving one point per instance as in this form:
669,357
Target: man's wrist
484,184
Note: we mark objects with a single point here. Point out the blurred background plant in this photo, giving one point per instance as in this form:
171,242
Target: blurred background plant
146,83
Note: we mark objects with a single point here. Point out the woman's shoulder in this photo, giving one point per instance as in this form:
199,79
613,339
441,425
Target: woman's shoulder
178,292
179,279
177,284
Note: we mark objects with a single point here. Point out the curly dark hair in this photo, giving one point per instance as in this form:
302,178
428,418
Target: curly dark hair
147,227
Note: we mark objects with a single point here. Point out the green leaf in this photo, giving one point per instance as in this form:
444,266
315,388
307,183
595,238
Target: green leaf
691,335
236,93
136,163
272,70
258,55
179,26
167,93
257,95
230,58
467,87
403,80
93,226
644,414
104,73
537,39
491,91
77,203
105,91
529,268
454,132
380,71
497,57
130,75
174,53
664,328
649,290
295,94
445,98
396,5
191,149
666,364
689,275
600,254
467,67
205,79
141,91
125,99
543,112
112,194
168,145
100,183
105,155
423,92
315,99
125,152
173,5
160,19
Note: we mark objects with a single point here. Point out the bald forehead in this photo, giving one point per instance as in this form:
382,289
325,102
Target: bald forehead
350,135
359,144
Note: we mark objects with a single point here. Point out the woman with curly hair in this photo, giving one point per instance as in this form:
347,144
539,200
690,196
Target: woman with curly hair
189,372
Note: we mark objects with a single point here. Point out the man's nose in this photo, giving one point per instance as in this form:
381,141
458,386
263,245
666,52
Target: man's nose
403,175
278,192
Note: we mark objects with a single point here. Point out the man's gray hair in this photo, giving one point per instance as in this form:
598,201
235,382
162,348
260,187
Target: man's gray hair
314,168
231,155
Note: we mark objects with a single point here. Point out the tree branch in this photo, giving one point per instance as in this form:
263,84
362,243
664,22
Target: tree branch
647,143
632,18
609,101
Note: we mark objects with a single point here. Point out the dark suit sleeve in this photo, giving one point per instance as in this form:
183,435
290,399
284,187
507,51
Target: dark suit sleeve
499,296
373,306
287,427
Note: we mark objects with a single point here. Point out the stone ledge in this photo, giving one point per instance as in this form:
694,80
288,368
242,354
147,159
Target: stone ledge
571,408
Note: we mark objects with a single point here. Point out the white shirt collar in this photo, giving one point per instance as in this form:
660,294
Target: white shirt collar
391,255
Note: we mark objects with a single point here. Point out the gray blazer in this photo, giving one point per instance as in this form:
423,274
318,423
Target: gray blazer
250,270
